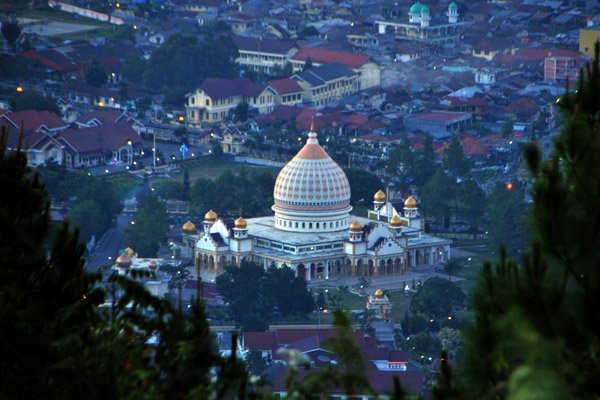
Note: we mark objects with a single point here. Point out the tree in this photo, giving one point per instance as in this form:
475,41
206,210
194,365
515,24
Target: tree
243,289
507,128
451,267
241,112
216,150
309,30
11,32
451,341
169,189
46,294
95,74
307,63
455,160
473,202
437,195
175,68
185,191
437,297
149,226
505,219
86,215
363,183
399,165
133,68
423,166
32,100
534,319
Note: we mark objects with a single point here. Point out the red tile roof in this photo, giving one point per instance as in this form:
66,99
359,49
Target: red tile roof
472,146
34,119
218,88
285,86
260,340
106,137
264,45
324,56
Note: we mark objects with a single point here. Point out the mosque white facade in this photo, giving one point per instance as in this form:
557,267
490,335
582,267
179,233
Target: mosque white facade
313,232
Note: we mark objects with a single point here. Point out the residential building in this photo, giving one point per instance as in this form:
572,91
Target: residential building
111,142
289,92
561,69
490,47
587,39
215,99
38,130
264,54
369,72
327,83
233,141
103,116
439,124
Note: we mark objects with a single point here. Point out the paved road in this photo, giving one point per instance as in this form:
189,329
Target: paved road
109,245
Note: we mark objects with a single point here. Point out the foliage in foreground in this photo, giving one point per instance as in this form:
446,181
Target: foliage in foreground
536,333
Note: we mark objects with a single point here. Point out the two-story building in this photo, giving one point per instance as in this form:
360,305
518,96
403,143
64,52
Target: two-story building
327,83
264,54
289,92
215,100
368,72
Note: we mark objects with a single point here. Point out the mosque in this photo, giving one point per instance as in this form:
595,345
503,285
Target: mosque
312,231
424,27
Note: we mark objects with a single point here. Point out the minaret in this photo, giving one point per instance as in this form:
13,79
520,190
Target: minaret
379,199
240,228
355,231
411,211
425,17
453,13
209,219
396,226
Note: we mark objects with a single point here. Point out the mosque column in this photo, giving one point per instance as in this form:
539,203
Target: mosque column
308,270
327,269
431,251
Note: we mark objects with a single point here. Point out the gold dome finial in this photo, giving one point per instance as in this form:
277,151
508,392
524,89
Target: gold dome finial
396,221
378,293
188,227
379,196
124,261
210,216
240,223
410,202
312,125
355,227
130,252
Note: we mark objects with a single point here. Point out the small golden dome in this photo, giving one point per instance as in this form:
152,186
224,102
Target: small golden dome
130,252
379,196
410,202
188,227
240,223
210,216
355,226
124,261
396,221
378,293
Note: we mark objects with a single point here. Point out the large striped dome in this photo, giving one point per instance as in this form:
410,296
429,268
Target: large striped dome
312,184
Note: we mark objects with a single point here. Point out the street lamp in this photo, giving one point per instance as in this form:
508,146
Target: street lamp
20,89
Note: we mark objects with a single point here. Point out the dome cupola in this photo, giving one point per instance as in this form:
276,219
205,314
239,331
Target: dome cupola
188,227
312,192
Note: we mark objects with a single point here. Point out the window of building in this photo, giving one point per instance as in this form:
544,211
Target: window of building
207,102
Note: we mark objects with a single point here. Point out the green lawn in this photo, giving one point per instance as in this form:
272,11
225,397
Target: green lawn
83,35
400,302
210,168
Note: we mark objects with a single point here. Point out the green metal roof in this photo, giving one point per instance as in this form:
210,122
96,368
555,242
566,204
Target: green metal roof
453,6
424,10
416,8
